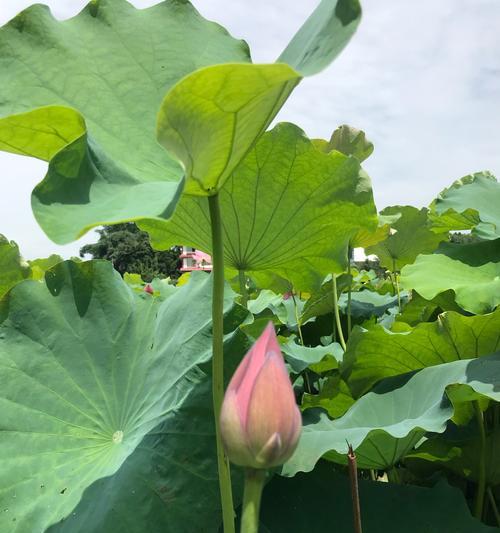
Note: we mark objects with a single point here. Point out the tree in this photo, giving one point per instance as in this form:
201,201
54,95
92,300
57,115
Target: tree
128,248
458,237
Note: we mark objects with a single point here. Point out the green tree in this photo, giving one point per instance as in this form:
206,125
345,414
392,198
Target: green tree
458,237
129,249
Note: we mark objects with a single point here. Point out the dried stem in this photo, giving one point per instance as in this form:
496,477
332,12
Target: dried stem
353,476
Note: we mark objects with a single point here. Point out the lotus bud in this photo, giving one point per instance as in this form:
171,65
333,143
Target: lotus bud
260,422
148,289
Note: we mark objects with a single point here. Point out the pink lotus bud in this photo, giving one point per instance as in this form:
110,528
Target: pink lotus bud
148,289
260,422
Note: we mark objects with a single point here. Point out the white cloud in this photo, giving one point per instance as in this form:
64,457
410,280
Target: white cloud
421,78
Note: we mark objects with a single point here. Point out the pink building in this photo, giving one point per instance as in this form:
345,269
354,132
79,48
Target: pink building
193,259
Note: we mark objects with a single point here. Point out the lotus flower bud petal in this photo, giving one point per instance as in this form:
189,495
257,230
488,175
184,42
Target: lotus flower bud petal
260,421
148,289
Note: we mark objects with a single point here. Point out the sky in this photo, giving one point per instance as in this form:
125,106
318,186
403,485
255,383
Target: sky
422,79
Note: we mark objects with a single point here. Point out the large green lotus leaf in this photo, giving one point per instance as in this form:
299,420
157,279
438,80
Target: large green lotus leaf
323,36
89,368
288,209
84,94
461,457
12,269
349,141
320,501
380,450
211,119
473,254
169,483
365,304
477,288
469,203
376,353
418,406
301,357
418,309
412,236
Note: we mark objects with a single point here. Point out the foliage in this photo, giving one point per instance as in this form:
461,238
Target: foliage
94,404
129,250
109,394
470,203
11,267
336,200
14,269
412,235
385,507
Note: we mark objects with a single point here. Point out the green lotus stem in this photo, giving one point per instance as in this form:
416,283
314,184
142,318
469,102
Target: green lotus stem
336,313
243,287
254,483
297,318
481,482
349,292
493,504
218,359
305,375
395,275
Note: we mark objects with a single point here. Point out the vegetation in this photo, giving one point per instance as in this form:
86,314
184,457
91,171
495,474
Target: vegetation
128,248
110,395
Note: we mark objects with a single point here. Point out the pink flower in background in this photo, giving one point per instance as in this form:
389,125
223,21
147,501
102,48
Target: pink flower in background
260,421
148,289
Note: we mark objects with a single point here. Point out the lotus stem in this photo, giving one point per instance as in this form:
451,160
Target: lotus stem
481,482
396,281
336,313
353,476
297,318
349,291
254,483
493,505
243,287
218,359
305,375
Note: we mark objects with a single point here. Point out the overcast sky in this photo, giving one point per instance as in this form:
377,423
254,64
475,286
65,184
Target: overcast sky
421,78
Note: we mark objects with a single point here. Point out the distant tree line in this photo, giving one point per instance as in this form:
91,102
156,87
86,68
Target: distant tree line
129,249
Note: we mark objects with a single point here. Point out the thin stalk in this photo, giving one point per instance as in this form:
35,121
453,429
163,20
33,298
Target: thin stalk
297,318
254,483
349,292
395,274
493,504
336,312
481,485
243,287
305,375
353,477
218,359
